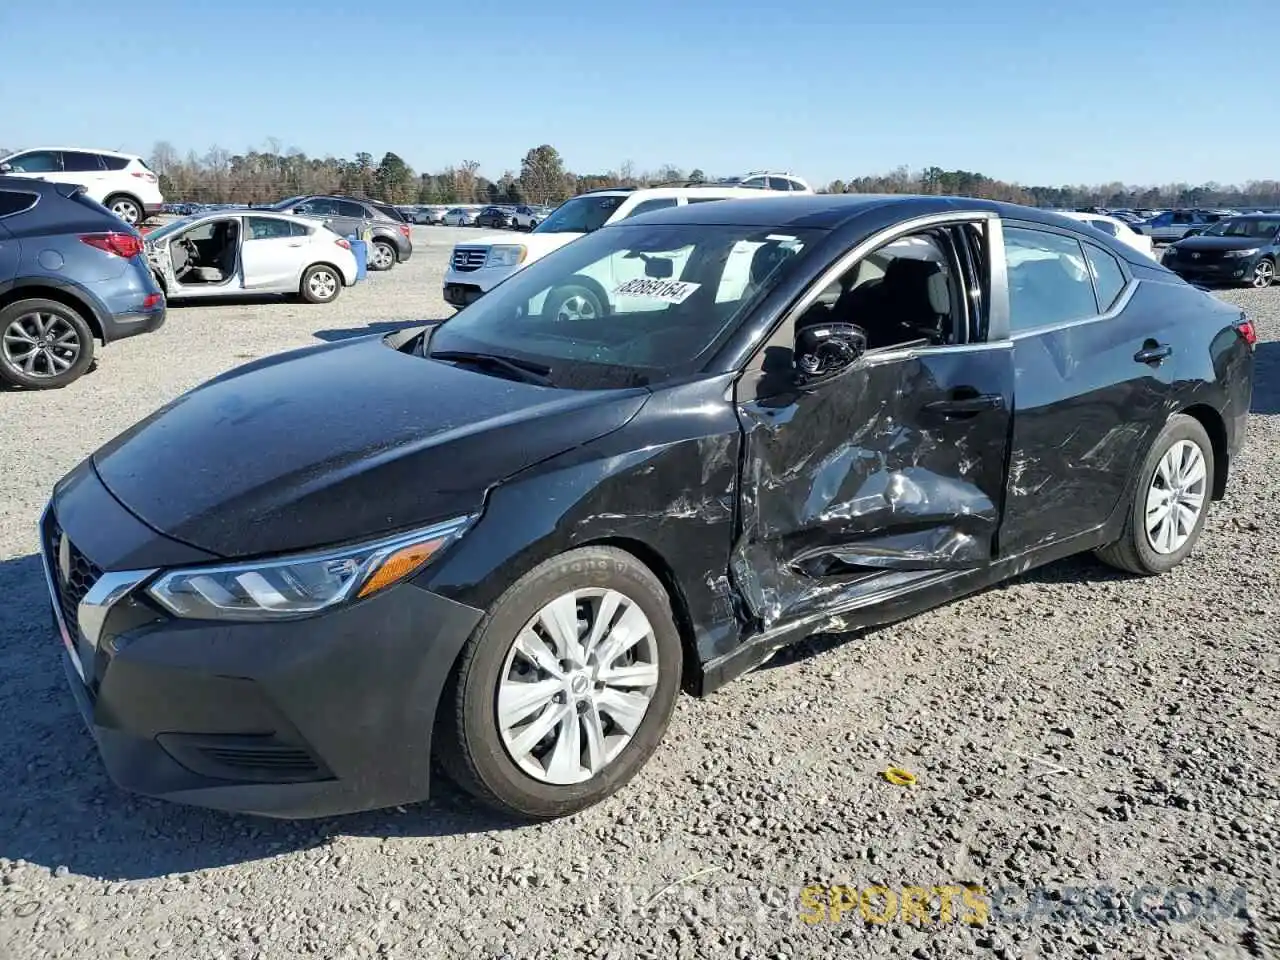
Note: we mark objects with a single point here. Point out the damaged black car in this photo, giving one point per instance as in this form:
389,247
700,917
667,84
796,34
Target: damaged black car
509,540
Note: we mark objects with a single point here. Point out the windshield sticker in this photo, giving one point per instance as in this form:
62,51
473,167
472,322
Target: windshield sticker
672,291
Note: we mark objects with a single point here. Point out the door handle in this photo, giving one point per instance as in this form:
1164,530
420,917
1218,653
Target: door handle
1152,352
965,406
298,244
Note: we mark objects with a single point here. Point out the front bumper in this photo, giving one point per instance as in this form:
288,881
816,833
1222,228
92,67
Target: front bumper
313,717
1224,270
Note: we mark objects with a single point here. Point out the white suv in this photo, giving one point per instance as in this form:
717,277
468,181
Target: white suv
772,180
121,182
478,265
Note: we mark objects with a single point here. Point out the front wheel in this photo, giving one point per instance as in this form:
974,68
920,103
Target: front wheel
573,302
1170,501
1264,274
320,284
383,256
43,345
565,689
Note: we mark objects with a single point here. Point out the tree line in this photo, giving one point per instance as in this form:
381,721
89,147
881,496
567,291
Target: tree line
272,173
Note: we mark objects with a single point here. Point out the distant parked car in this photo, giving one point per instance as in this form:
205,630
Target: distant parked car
527,217
392,237
1115,227
1176,224
1242,249
495,217
769,180
71,273
229,253
458,217
122,182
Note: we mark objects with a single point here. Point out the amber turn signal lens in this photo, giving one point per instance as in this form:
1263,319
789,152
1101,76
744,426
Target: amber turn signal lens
399,565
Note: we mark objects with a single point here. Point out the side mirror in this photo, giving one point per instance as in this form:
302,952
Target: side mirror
827,348
6,167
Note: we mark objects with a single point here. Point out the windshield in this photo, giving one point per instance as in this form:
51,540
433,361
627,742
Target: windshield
630,305
169,229
580,215
1245,227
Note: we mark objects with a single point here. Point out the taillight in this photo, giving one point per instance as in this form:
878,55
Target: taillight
344,243
121,244
152,300
149,177
404,230
1247,333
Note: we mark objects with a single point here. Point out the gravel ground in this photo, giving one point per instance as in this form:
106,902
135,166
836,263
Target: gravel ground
1070,731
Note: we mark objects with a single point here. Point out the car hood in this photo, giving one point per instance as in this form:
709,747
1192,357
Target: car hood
1222,243
339,443
538,244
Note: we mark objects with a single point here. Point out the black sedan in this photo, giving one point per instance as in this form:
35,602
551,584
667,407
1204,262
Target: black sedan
495,217
1242,249
510,539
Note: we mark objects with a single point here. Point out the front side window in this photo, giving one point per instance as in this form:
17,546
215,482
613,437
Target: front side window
632,305
37,161
581,215
268,228
1244,227
1049,280
319,207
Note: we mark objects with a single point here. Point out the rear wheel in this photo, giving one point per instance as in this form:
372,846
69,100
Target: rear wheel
1170,501
320,284
126,208
1264,274
566,687
383,256
573,302
43,344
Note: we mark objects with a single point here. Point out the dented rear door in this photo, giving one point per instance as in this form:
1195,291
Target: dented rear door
898,464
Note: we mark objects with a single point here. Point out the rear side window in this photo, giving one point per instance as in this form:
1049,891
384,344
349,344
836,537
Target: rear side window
391,212
779,183
1108,278
268,228
116,163
348,209
298,230
13,201
1049,281
648,206
1106,226
76,162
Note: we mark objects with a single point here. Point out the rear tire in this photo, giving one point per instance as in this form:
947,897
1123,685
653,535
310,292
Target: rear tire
126,208
554,753
1146,547
573,302
50,338
383,256
321,283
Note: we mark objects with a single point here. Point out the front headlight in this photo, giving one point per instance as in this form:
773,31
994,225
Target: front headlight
506,255
303,584
1240,253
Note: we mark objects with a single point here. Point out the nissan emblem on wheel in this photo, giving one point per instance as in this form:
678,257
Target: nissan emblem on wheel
636,468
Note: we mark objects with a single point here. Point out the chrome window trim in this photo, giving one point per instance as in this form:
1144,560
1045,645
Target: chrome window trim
991,221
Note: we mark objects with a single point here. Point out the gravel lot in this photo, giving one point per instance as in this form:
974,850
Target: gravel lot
1074,729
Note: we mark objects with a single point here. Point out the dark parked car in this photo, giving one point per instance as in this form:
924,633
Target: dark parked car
495,217
521,535
1242,249
71,273
392,235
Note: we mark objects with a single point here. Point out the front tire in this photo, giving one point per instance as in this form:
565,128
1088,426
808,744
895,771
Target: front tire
321,283
44,345
566,687
126,208
573,302
1170,501
1264,274
383,256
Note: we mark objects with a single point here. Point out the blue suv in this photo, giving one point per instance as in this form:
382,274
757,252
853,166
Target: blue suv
71,274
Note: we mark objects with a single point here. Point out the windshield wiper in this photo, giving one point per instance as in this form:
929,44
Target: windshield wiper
524,370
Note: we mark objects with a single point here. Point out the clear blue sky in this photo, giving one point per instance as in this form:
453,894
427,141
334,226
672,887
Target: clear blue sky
1087,91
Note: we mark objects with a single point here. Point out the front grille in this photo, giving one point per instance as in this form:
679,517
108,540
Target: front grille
1198,257
73,574
467,259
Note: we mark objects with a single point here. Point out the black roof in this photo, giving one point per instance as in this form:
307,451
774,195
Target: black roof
829,211
29,184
